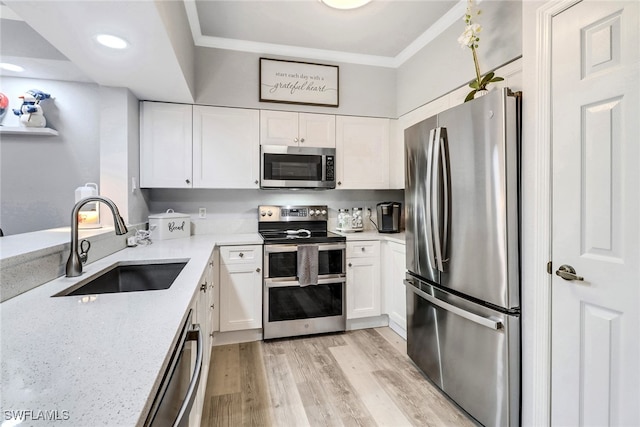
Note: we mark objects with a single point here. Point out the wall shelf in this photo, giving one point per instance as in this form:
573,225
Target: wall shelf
6,130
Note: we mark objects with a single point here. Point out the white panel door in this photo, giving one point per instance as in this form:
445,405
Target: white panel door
317,130
394,264
595,376
226,147
165,145
363,279
278,128
362,153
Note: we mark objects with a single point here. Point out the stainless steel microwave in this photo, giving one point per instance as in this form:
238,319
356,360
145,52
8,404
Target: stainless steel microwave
297,167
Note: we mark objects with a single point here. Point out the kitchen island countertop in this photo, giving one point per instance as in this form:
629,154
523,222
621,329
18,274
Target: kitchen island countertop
96,360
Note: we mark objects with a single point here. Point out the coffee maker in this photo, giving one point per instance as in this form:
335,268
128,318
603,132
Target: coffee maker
388,217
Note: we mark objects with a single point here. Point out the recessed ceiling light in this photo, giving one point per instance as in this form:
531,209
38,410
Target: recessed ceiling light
345,4
11,67
111,41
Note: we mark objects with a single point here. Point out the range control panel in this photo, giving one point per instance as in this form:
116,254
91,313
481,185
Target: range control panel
293,213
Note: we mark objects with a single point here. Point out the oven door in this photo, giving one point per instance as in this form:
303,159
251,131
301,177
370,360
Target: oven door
292,310
281,261
297,167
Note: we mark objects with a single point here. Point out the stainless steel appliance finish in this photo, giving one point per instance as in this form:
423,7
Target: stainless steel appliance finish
174,400
388,214
297,167
291,309
462,228
469,350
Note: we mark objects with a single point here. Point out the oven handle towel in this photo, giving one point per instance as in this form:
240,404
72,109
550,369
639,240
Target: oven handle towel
307,265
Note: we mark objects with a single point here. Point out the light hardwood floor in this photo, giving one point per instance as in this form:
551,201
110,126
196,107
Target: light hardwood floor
356,378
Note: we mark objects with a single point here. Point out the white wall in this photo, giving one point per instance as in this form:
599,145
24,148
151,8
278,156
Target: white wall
39,175
443,65
231,78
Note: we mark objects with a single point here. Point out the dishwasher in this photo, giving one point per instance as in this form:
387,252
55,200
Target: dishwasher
176,394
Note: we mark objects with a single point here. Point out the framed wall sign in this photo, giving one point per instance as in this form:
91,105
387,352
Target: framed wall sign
293,82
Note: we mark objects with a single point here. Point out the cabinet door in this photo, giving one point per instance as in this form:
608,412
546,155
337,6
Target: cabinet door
362,153
240,288
396,155
278,128
363,282
226,148
165,145
317,130
394,264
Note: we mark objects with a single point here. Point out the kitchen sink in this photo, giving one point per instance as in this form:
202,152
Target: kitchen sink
128,277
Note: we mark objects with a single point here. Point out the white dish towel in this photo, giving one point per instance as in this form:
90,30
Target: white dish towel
307,265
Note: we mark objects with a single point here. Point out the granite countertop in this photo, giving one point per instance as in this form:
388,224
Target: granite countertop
96,360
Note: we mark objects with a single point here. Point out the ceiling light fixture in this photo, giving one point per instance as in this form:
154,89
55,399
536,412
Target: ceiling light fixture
11,67
345,4
111,41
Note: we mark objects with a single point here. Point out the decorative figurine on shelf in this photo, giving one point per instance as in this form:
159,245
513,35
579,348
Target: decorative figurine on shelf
4,106
30,111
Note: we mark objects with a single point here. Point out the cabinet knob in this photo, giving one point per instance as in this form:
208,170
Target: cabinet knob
213,306
295,139
362,249
211,334
210,263
188,181
258,270
339,182
241,255
350,265
301,140
203,287
256,182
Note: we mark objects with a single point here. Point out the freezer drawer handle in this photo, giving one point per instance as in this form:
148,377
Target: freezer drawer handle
484,321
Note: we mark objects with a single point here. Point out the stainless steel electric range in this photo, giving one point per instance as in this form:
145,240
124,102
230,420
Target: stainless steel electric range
304,282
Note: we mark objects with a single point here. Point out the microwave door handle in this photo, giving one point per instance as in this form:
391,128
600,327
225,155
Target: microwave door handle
195,334
428,198
324,168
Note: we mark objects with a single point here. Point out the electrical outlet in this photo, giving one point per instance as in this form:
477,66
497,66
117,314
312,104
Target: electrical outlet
368,212
202,212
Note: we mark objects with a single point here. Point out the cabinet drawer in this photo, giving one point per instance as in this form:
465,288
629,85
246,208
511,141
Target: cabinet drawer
240,254
363,249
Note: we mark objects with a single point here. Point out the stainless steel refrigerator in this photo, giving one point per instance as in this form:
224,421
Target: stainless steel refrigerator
462,232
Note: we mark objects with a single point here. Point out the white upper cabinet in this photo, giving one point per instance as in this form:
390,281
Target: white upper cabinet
362,153
226,149
396,156
165,145
297,129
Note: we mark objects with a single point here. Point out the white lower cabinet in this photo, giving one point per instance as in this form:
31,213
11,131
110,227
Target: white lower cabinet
394,267
363,279
240,287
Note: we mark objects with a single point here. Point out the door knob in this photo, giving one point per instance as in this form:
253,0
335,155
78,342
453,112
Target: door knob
568,273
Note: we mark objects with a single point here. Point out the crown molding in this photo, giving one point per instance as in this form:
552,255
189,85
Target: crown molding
453,15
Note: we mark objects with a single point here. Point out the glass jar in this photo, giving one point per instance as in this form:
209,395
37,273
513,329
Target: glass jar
344,219
357,222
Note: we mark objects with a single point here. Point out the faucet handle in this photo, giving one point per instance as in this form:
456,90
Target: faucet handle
85,245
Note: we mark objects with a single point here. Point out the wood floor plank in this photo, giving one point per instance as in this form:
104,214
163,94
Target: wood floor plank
392,337
224,370
286,403
317,405
256,406
223,411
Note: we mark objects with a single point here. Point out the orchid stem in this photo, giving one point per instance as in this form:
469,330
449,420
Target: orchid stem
475,62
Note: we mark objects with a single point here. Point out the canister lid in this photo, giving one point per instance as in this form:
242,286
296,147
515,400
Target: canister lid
168,214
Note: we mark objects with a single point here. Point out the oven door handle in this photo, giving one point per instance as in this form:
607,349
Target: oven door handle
271,283
272,249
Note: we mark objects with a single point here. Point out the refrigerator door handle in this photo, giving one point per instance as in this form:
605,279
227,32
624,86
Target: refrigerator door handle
431,170
440,173
480,320
446,185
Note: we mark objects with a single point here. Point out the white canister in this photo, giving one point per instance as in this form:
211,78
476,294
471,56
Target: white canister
169,225
89,215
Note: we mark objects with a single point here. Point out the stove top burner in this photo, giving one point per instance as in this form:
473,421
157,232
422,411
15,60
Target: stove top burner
295,225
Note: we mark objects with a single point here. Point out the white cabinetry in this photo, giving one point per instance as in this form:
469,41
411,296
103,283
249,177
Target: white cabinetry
394,266
226,147
297,129
363,279
240,287
165,145
184,146
362,153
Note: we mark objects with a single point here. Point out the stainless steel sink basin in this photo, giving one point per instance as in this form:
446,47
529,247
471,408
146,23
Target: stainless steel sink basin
128,277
